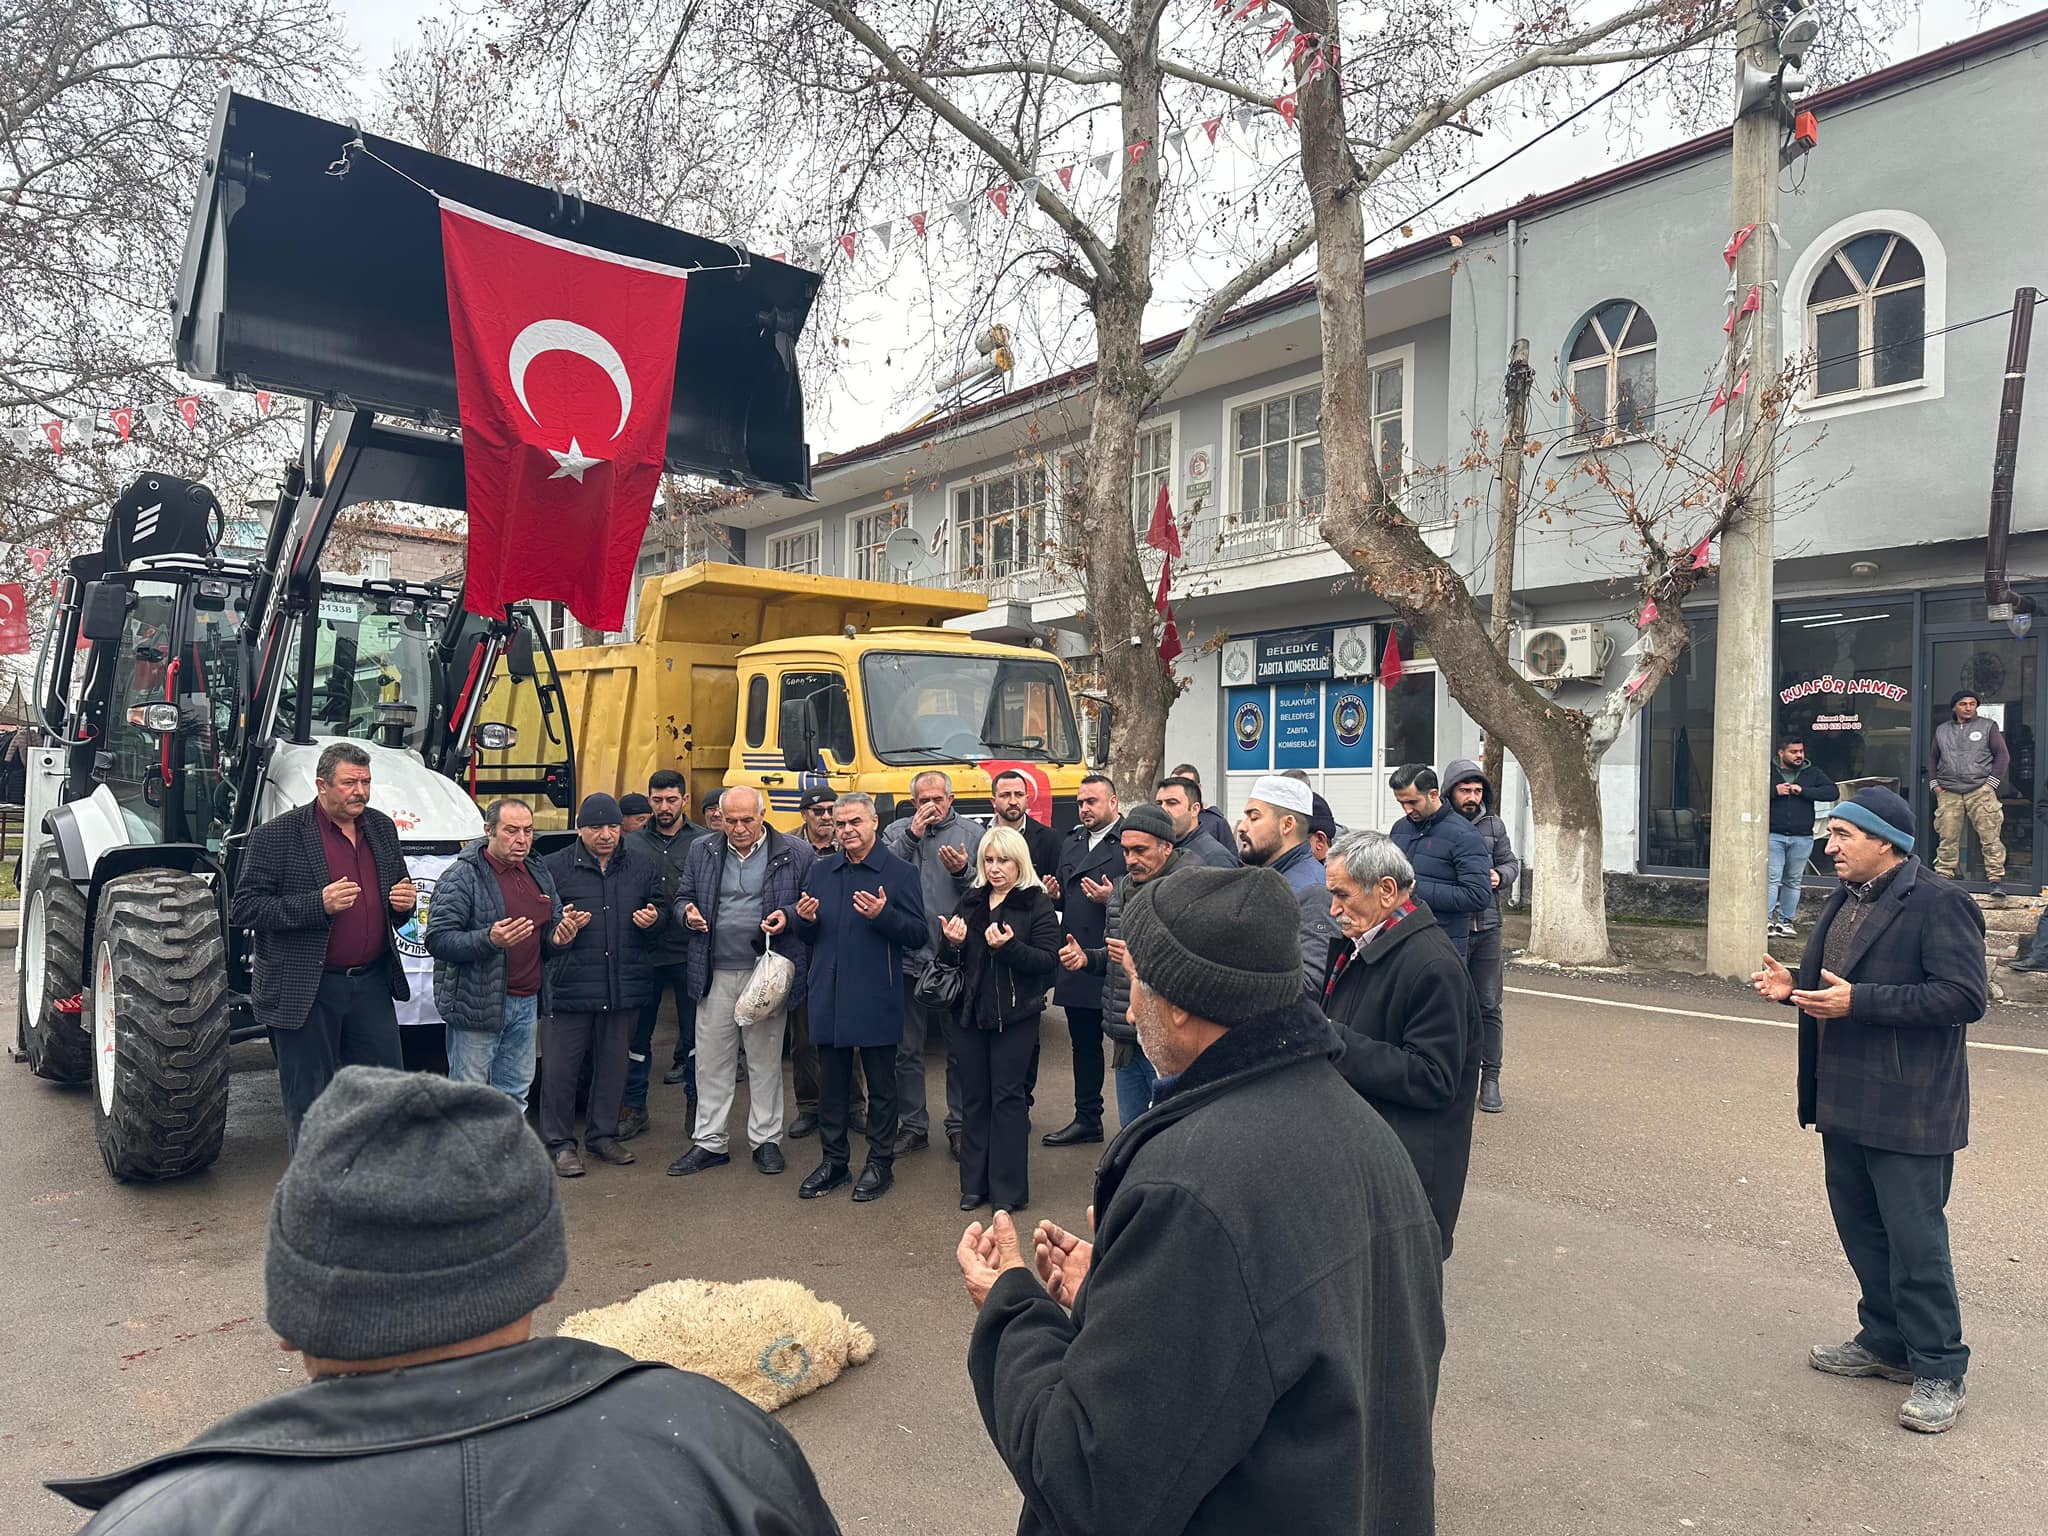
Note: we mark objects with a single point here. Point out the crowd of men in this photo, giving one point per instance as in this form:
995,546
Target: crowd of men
1283,1293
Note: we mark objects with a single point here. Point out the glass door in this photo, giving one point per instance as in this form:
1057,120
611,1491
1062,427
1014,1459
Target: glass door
2005,675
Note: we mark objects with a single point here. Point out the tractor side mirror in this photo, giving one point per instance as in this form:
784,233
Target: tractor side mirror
103,610
519,655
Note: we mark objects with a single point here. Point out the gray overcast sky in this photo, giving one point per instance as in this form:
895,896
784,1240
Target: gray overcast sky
863,401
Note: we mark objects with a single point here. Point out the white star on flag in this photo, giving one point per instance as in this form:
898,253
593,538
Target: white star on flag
573,463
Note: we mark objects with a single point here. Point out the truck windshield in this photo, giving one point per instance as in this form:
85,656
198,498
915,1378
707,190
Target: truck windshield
924,706
372,678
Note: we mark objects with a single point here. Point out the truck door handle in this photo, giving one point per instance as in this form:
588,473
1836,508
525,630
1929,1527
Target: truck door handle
771,778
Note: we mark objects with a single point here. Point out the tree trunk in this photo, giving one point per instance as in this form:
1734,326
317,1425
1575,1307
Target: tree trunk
1387,551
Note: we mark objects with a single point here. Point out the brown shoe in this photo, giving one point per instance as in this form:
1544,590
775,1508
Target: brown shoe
610,1152
567,1164
632,1122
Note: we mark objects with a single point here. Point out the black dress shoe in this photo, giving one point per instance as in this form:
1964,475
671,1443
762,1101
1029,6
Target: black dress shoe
768,1158
1073,1134
911,1141
696,1160
822,1180
676,1074
875,1180
805,1124
973,1202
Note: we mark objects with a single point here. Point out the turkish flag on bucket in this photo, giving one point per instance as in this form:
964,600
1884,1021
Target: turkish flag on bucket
565,360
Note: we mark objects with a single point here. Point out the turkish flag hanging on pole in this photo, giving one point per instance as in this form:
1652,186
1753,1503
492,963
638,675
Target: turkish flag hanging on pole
13,620
565,360
1162,534
1390,663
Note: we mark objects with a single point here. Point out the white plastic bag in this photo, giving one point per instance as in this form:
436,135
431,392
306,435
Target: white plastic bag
767,989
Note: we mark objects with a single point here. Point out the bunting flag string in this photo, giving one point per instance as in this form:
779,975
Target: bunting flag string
68,433
1307,57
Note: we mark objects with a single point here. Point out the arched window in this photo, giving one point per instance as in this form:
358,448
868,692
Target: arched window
1611,373
1866,316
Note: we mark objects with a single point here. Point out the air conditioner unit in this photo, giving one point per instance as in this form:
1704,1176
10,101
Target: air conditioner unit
1562,653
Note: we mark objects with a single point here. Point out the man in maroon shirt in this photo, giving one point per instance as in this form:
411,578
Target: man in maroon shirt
322,887
495,917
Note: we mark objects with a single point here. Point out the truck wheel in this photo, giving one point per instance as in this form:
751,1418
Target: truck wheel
52,936
159,1010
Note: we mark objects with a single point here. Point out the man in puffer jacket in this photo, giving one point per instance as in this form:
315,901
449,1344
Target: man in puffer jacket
1452,862
494,918
1472,797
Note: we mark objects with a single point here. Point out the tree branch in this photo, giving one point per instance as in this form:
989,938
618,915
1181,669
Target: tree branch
907,75
1220,302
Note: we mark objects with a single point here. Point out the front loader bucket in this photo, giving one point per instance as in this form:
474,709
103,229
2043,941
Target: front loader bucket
304,282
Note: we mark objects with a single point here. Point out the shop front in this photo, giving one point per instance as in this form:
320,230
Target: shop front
1310,699
1864,682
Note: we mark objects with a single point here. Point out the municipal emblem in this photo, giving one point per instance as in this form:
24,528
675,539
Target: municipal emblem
1237,663
1347,718
1250,725
1354,656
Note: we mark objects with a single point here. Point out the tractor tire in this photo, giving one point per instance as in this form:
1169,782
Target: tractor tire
158,1003
57,1045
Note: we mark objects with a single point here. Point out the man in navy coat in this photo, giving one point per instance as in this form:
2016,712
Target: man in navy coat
861,909
1891,981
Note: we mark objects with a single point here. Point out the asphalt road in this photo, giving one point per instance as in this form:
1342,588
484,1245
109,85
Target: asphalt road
1644,1256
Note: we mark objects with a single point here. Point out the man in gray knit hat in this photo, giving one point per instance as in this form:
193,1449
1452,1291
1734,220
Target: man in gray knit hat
1280,1290
414,1234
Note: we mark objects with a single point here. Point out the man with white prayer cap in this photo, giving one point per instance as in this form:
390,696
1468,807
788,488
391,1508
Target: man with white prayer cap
1274,831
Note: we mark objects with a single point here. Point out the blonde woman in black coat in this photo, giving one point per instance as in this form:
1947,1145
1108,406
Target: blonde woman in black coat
1005,938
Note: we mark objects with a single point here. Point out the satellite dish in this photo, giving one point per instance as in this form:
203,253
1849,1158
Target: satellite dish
903,553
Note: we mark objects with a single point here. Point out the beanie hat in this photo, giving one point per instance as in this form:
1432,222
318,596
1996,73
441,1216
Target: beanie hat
1880,813
598,811
1284,794
1962,694
1150,820
416,1212
635,805
1321,819
1180,930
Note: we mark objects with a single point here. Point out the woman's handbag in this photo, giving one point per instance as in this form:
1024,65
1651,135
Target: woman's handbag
938,989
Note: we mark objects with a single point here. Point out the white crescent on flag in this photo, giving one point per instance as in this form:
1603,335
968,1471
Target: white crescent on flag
568,336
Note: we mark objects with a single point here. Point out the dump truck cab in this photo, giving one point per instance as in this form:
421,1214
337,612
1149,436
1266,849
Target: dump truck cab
871,710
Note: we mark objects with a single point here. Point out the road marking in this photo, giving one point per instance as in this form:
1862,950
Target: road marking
1734,1018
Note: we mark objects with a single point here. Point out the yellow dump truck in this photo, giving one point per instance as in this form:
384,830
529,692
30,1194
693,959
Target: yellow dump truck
738,675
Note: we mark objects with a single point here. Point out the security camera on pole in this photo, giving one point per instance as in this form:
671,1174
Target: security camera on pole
1771,39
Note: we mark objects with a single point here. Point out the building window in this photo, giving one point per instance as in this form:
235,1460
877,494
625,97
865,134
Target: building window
377,565
796,551
1000,526
1277,447
867,536
1866,316
1612,373
1277,455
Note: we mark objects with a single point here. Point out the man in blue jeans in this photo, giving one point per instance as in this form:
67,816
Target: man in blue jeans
1797,787
494,917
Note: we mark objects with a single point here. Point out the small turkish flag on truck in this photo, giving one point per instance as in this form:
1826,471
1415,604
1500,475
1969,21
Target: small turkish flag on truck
565,361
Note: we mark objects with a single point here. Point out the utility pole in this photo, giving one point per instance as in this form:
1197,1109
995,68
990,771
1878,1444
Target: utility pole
1739,846
1512,455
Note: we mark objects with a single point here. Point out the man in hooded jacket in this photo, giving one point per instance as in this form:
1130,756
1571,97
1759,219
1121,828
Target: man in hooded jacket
1472,797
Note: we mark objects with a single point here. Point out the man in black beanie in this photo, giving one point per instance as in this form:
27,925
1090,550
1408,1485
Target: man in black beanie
1892,978
415,1232
1255,1332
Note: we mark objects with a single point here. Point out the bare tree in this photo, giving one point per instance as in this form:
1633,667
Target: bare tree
1661,498
105,106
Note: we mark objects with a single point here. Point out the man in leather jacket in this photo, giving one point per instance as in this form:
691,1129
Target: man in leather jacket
411,1239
